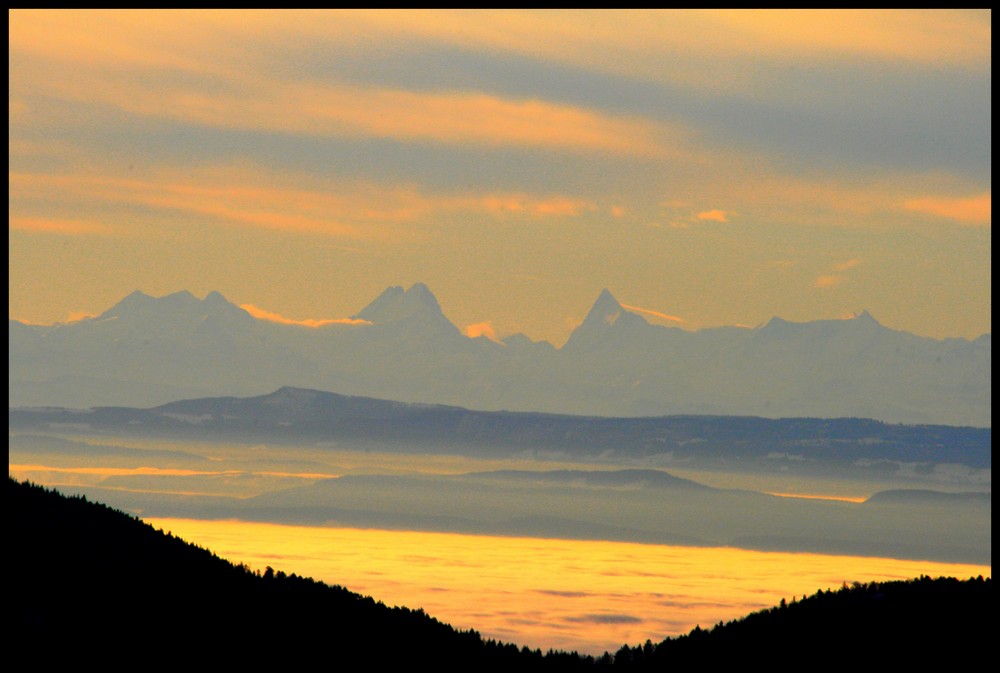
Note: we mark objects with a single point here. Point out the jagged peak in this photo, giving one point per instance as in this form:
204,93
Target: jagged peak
181,300
605,310
396,304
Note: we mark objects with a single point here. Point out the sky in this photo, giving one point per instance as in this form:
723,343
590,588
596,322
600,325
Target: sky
708,167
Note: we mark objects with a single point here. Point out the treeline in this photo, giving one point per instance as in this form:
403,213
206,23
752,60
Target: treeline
87,583
922,622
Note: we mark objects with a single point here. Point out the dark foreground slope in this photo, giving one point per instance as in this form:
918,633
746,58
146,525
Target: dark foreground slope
89,583
943,623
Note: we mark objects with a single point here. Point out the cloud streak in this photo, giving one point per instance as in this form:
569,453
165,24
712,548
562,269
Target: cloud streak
46,225
974,210
262,314
651,312
351,210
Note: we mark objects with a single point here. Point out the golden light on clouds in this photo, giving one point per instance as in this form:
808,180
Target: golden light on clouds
714,215
406,132
235,196
480,329
263,314
828,281
975,210
554,206
930,36
657,314
332,110
845,266
589,596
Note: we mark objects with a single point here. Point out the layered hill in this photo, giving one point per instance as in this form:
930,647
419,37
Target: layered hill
309,417
146,351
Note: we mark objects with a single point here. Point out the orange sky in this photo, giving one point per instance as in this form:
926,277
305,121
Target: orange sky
716,167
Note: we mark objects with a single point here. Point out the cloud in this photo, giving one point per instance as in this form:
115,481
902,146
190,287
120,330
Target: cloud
710,50
605,619
931,37
657,314
262,314
849,264
345,110
355,210
685,221
481,329
975,210
47,225
714,215
827,281
555,206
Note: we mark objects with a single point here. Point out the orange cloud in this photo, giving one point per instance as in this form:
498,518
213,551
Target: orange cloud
355,210
714,215
657,314
340,110
262,314
975,210
57,226
828,281
481,329
849,264
562,206
557,206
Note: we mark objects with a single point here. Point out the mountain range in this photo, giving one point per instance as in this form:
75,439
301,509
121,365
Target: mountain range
147,351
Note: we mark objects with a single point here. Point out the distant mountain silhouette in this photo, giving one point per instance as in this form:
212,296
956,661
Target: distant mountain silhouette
303,415
147,351
86,581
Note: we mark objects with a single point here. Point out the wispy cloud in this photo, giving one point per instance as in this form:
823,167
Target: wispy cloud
828,281
845,266
974,210
344,110
47,225
651,312
839,277
350,210
262,314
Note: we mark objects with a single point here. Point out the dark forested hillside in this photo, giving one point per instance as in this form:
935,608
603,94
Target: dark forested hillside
940,622
86,582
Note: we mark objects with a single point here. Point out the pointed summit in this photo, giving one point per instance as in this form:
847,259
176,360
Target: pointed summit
866,317
605,311
606,317
396,304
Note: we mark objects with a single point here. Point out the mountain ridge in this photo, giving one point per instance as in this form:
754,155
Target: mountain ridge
402,346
